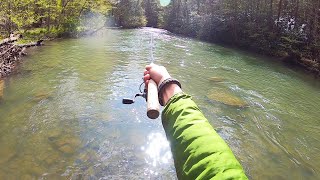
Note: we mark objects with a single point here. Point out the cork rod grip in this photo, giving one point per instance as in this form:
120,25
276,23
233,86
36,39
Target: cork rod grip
153,107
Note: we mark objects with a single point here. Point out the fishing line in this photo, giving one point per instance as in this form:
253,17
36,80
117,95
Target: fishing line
151,49
150,94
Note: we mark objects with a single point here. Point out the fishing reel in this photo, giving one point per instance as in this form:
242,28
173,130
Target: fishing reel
151,97
141,94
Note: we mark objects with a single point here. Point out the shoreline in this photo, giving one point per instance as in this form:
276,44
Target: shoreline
11,53
304,64
8,63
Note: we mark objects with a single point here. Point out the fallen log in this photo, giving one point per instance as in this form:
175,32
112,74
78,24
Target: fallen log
38,43
23,52
7,50
90,32
10,54
96,30
10,40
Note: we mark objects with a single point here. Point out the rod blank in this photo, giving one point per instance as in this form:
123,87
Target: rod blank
153,107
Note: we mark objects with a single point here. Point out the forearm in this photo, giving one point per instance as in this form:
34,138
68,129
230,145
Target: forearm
198,151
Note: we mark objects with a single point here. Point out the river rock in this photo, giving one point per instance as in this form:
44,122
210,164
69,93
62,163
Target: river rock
66,144
34,168
226,98
216,79
41,96
54,134
67,149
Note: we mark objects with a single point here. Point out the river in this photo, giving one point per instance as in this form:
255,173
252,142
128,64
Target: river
61,115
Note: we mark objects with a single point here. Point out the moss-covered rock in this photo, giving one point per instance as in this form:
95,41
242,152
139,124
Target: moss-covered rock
66,144
67,149
41,96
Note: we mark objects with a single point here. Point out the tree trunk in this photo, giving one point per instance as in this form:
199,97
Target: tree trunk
48,20
271,14
279,10
9,17
296,11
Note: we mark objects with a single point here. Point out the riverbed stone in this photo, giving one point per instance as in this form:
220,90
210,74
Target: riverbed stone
72,141
67,149
66,144
216,79
226,98
52,159
54,134
41,96
34,168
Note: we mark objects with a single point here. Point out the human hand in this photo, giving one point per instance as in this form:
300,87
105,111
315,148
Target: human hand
156,73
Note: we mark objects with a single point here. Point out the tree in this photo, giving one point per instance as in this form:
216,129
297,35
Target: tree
130,14
56,16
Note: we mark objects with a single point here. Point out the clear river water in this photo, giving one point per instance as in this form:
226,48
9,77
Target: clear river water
61,115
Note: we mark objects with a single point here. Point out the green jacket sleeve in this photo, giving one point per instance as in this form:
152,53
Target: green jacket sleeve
198,151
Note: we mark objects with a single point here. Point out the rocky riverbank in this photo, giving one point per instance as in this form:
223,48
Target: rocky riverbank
10,54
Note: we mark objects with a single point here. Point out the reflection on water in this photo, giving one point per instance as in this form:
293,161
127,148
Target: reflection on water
157,149
61,115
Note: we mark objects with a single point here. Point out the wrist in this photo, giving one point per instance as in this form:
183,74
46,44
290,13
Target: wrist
166,89
169,91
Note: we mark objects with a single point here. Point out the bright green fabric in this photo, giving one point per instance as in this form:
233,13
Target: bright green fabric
198,151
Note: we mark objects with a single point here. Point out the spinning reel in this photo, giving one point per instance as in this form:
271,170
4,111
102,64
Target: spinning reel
141,94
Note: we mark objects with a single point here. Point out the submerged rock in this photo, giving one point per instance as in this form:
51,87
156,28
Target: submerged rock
41,96
216,79
65,144
226,98
54,134
30,166
67,149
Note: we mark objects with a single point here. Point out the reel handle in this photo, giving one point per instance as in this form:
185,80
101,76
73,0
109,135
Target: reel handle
153,106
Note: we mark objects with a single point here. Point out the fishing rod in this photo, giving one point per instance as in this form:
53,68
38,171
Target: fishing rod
150,94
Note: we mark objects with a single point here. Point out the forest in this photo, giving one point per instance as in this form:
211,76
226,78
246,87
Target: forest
289,29
54,18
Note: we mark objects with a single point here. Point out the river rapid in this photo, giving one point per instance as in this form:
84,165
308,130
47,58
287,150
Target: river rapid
61,115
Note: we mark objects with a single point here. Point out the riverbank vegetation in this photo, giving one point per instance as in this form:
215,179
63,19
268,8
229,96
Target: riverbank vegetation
284,28
42,19
58,18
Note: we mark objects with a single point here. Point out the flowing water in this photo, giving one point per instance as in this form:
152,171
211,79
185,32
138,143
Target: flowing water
61,115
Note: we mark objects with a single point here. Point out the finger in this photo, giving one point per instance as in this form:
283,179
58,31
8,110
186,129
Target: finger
148,67
145,72
146,84
146,77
